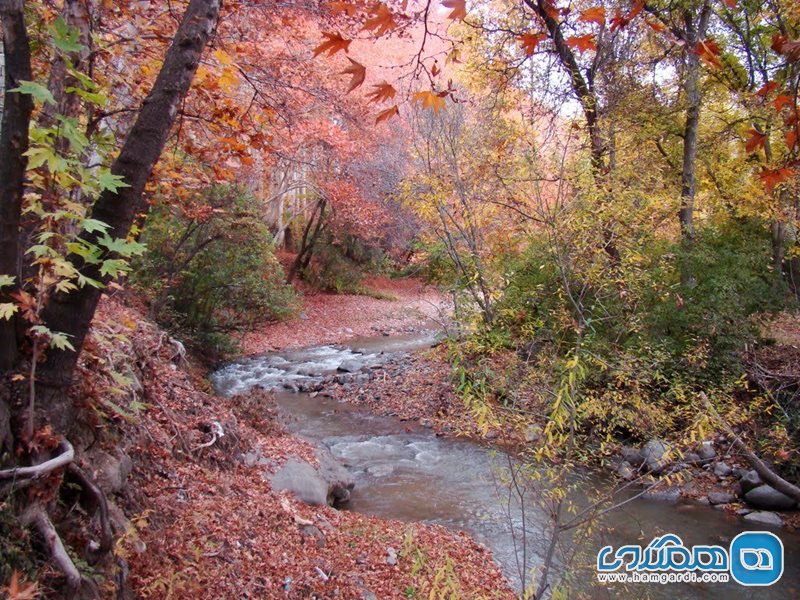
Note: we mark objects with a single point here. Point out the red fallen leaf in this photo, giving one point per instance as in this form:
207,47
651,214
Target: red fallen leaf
767,89
359,73
582,43
755,141
529,42
333,44
382,92
655,26
382,21
458,9
596,14
730,3
782,101
771,178
387,114
708,50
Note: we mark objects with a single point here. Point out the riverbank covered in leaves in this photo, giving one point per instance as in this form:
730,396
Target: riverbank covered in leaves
197,516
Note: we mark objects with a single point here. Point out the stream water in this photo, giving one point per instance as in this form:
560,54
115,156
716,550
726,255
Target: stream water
404,471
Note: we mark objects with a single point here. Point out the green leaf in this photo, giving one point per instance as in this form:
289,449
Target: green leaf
65,38
111,182
88,252
65,286
93,97
7,310
38,156
40,93
83,281
7,280
92,225
60,341
114,267
122,247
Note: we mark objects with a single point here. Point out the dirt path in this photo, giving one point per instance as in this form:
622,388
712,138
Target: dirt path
398,306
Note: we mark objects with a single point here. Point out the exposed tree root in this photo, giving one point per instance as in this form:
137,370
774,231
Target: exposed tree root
62,460
99,497
36,516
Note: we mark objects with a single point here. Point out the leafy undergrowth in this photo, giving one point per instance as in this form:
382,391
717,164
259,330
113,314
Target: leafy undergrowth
206,525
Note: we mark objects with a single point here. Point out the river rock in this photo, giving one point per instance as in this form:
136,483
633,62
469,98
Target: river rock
339,480
769,498
721,498
722,469
706,451
751,480
625,470
300,478
350,366
633,456
692,458
763,517
671,495
655,455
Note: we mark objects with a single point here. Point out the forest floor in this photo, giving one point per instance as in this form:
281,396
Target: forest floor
201,520
385,307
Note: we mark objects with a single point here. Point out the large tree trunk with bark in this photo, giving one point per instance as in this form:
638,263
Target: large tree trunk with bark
72,313
695,32
13,164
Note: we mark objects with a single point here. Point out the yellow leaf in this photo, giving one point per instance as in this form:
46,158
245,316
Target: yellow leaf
430,99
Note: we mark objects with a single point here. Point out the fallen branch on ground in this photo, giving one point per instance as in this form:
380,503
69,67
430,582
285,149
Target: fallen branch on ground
764,471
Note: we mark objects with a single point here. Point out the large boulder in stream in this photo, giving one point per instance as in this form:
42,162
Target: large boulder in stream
769,498
330,483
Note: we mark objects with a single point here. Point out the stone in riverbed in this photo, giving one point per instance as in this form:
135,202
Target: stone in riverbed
302,480
769,498
350,366
670,495
721,498
722,470
706,451
763,517
632,456
751,480
625,471
655,455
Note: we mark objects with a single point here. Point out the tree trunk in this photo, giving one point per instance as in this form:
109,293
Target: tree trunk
72,313
695,32
587,97
13,164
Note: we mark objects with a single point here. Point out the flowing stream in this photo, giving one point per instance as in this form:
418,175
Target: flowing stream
404,471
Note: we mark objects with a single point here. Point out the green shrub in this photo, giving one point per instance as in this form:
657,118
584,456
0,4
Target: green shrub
213,272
